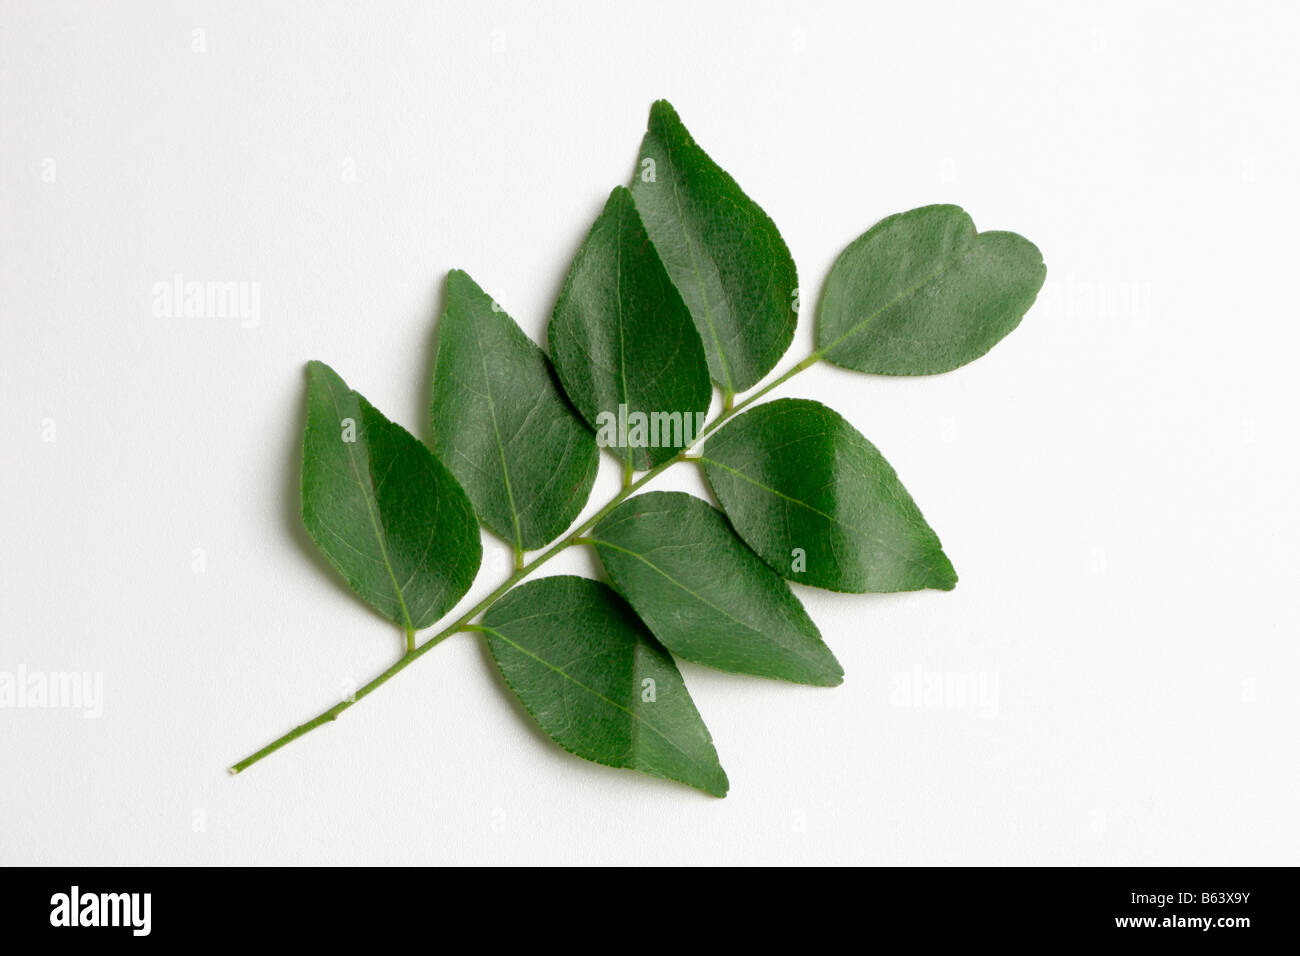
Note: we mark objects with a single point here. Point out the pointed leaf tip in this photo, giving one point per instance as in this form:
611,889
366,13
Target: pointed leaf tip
598,682
820,504
705,595
502,425
722,250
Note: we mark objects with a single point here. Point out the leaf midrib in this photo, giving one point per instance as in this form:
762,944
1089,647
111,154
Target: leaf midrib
857,327
618,298
496,435
817,511
705,601
595,693
699,278
371,505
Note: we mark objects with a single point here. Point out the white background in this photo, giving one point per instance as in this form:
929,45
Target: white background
1115,482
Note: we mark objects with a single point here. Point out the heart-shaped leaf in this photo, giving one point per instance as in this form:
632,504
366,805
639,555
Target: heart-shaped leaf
596,680
921,293
501,424
706,596
382,508
820,504
723,252
624,344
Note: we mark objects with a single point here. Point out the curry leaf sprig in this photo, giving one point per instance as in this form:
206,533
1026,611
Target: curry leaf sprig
682,284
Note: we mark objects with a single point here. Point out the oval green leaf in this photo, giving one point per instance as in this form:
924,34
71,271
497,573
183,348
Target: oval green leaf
382,508
922,292
598,683
820,504
501,424
705,595
624,344
723,252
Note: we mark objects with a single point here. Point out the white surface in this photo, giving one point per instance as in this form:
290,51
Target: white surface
1115,483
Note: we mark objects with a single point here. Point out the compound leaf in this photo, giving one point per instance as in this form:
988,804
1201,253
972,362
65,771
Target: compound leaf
820,504
501,424
598,683
382,508
922,292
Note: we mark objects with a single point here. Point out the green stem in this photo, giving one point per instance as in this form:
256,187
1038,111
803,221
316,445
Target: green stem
781,379
576,536
333,713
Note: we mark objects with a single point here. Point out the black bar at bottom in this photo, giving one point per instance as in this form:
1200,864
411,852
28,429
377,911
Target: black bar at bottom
341,907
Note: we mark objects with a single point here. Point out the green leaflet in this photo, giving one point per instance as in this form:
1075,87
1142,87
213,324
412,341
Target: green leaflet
820,504
382,509
706,596
921,292
501,424
623,341
723,252
597,682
